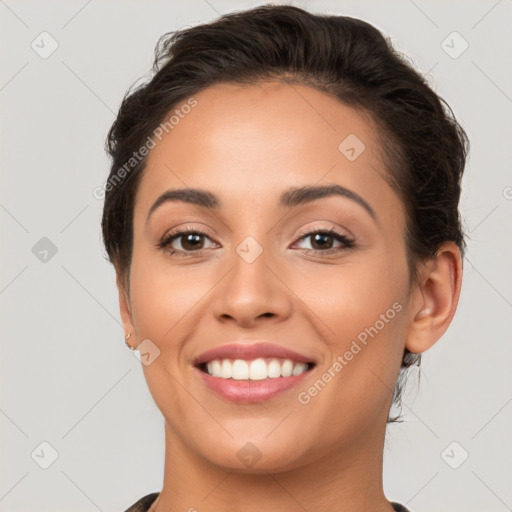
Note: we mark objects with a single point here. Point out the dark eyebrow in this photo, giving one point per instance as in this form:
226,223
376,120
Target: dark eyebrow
187,195
300,195
289,199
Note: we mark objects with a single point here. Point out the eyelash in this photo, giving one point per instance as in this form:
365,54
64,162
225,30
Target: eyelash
166,242
347,242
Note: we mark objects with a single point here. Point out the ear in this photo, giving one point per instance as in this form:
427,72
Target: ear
125,306
436,298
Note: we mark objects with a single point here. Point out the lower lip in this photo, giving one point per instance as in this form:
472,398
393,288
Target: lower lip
250,391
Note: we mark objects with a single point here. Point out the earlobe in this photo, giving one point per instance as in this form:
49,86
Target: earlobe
124,306
437,298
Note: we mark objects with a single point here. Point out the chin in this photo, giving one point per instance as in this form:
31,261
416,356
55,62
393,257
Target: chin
251,460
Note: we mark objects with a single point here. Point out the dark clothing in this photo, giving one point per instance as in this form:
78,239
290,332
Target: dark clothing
144,503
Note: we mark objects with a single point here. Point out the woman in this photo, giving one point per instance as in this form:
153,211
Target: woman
282,215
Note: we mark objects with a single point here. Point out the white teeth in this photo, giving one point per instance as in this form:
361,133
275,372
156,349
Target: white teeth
239,370
287,368
225,371
274,369
256,369
299,368
216,367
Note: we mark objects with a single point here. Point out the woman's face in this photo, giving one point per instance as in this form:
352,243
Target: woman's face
264,272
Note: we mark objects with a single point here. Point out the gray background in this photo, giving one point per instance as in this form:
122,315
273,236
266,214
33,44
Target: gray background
67,378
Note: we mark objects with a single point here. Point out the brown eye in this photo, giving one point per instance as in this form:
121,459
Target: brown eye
191,241
185,241
325,240
321,241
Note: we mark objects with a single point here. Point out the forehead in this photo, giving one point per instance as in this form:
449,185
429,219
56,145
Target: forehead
249,141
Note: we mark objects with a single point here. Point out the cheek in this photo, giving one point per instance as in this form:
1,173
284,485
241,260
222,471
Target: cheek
164,298
362,318
350,298
166,310
361,312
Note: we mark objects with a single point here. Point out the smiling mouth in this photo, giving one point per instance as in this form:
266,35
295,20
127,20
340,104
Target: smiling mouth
254,369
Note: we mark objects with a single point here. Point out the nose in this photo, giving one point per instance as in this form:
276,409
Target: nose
252,292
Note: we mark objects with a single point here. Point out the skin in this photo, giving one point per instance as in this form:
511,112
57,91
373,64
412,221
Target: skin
247,145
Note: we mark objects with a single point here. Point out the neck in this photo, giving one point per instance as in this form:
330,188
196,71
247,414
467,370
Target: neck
346,480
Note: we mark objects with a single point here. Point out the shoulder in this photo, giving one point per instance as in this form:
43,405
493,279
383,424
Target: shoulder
144,503
398,507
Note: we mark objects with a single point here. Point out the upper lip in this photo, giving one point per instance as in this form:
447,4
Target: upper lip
251,351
